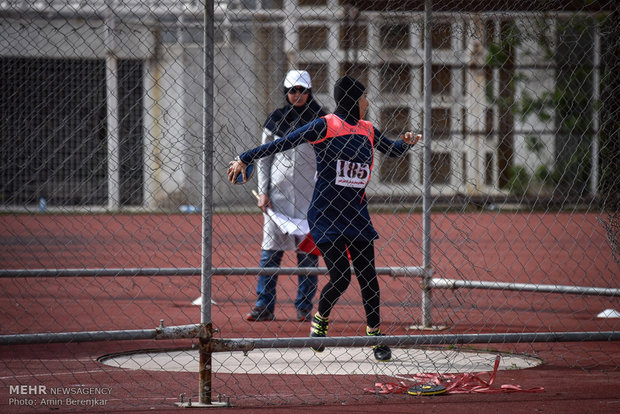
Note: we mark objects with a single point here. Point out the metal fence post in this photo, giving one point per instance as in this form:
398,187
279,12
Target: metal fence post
112,120
205,367
427,304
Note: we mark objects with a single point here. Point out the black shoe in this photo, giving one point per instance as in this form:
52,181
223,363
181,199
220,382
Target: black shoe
304,315
260,314
318,329
382,352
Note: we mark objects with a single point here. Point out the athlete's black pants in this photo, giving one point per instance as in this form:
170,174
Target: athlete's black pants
338,265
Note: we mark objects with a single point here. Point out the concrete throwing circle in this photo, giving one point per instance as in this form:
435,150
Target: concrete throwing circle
333,361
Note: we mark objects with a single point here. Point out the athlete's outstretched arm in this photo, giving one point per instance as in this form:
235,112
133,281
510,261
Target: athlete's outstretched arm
309,132
395,148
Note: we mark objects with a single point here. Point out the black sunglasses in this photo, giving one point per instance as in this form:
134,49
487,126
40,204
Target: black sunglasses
296,89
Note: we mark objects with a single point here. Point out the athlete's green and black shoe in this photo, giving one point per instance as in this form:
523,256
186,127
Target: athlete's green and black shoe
382,352
318,329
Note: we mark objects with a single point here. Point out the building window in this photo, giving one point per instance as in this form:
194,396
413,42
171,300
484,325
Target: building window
353,36
441,83
313,37
488,168
440,168
464,168
488,78
441,35
489,32
394,121
395,36
319,73
441,123
53,133
488,122
394,170
357,70
131,108
395,78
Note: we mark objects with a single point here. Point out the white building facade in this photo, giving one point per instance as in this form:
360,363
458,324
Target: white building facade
127,130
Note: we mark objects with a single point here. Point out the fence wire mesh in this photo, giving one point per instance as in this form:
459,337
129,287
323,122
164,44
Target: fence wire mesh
102,129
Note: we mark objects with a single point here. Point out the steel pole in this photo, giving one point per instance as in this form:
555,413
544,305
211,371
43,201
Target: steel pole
427,304
204,344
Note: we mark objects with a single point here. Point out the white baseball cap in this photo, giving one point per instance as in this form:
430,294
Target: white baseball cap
297,78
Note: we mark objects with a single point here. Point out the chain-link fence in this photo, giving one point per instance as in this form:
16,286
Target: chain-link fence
126,250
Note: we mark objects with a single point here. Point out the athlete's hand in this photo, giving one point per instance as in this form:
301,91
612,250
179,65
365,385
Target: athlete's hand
236,167
411,139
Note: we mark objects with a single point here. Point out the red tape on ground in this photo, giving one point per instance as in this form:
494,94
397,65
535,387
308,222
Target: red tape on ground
455,384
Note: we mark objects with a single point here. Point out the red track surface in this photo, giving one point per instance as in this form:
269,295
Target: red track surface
563,249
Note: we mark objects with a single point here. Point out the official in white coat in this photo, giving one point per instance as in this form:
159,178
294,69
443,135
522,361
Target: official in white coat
285,184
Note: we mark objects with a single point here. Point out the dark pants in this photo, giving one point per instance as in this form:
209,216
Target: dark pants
338,265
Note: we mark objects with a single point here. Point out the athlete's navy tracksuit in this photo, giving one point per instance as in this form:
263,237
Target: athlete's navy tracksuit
338,214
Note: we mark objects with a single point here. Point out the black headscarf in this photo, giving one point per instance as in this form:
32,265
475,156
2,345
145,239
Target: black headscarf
347,92
290,117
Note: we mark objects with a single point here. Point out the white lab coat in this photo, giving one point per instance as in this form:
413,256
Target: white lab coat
288,179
